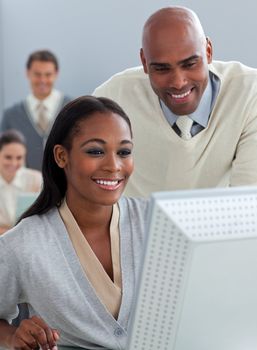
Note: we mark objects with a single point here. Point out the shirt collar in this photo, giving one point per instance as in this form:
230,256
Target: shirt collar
203,111
16,182
48,101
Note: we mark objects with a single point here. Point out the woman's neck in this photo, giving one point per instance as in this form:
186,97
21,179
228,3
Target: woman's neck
90,217
7,178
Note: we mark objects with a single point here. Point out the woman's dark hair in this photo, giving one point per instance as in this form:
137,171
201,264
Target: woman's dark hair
11,136
65,127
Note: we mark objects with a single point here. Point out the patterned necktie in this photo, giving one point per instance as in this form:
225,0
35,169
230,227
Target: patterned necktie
42,117
184,123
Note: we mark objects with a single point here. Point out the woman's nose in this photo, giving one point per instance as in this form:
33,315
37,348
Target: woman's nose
112,164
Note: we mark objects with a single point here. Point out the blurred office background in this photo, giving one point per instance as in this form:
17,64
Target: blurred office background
95,39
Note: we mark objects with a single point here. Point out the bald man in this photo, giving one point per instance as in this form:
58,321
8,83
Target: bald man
194,119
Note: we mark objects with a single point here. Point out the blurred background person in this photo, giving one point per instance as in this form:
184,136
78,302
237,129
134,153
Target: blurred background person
14,177
34,115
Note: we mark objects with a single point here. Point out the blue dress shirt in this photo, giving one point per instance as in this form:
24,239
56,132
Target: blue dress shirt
201,115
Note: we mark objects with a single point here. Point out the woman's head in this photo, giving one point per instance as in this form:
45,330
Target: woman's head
12,153
83,118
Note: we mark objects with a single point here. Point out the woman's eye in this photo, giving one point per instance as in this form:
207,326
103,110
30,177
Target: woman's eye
125,152
94,152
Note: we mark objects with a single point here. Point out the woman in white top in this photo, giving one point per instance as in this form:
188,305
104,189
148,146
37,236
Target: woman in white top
14,177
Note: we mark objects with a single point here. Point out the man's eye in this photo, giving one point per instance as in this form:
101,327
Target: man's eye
125,152
189,64
94,152
161,69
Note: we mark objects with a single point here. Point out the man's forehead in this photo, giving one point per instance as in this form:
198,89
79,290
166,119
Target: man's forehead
42,65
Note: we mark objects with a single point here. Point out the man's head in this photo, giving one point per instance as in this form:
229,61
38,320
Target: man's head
175,54
42,70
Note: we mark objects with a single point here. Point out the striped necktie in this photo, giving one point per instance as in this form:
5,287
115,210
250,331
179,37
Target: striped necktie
42,117
184,123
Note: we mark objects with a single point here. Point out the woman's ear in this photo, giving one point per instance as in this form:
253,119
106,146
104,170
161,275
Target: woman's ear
60,156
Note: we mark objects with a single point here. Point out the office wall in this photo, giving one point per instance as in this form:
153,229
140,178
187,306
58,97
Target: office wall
1,60
94,39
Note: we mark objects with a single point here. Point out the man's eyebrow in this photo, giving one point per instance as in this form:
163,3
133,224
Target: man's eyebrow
168,65
159,64
188,59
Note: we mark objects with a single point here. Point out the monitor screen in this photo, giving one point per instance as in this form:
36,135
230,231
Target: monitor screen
198,285
24,201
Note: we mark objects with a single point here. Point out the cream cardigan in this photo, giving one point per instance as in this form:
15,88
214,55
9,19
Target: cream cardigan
223,154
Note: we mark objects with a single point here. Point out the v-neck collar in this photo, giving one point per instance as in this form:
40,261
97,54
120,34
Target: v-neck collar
107,290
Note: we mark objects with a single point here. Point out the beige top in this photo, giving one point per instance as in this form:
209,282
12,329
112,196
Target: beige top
108,291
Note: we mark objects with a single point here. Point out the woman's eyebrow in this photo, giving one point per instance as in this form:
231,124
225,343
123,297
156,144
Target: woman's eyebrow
102,142
126,141
93,140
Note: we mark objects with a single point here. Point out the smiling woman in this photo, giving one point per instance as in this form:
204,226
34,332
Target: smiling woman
14,178
80,238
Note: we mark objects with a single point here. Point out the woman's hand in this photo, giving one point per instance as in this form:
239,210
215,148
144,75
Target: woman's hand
34,333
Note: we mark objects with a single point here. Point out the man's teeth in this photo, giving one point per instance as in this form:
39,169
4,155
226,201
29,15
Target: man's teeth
181,95
107,183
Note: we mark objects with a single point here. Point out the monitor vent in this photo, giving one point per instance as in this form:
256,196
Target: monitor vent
194,243
165,263
215,217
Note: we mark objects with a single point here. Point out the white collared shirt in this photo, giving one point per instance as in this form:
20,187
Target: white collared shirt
51,103
25,180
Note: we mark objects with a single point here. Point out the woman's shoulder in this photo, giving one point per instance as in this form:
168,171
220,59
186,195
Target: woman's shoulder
33,173
33,224
135,205
31,230
30,237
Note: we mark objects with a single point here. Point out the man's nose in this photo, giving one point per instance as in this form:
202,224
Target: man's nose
177,79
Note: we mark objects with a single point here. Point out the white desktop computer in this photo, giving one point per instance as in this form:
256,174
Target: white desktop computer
24,201
198,284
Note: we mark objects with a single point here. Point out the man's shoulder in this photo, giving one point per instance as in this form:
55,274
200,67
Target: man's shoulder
59,98
67,98
133,72
126,77
231,69
15,108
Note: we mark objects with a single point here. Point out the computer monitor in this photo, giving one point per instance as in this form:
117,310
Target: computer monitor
24,201
198,285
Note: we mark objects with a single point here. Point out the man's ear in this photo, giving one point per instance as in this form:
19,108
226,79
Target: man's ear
208,50
27,73
143,60
60,156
